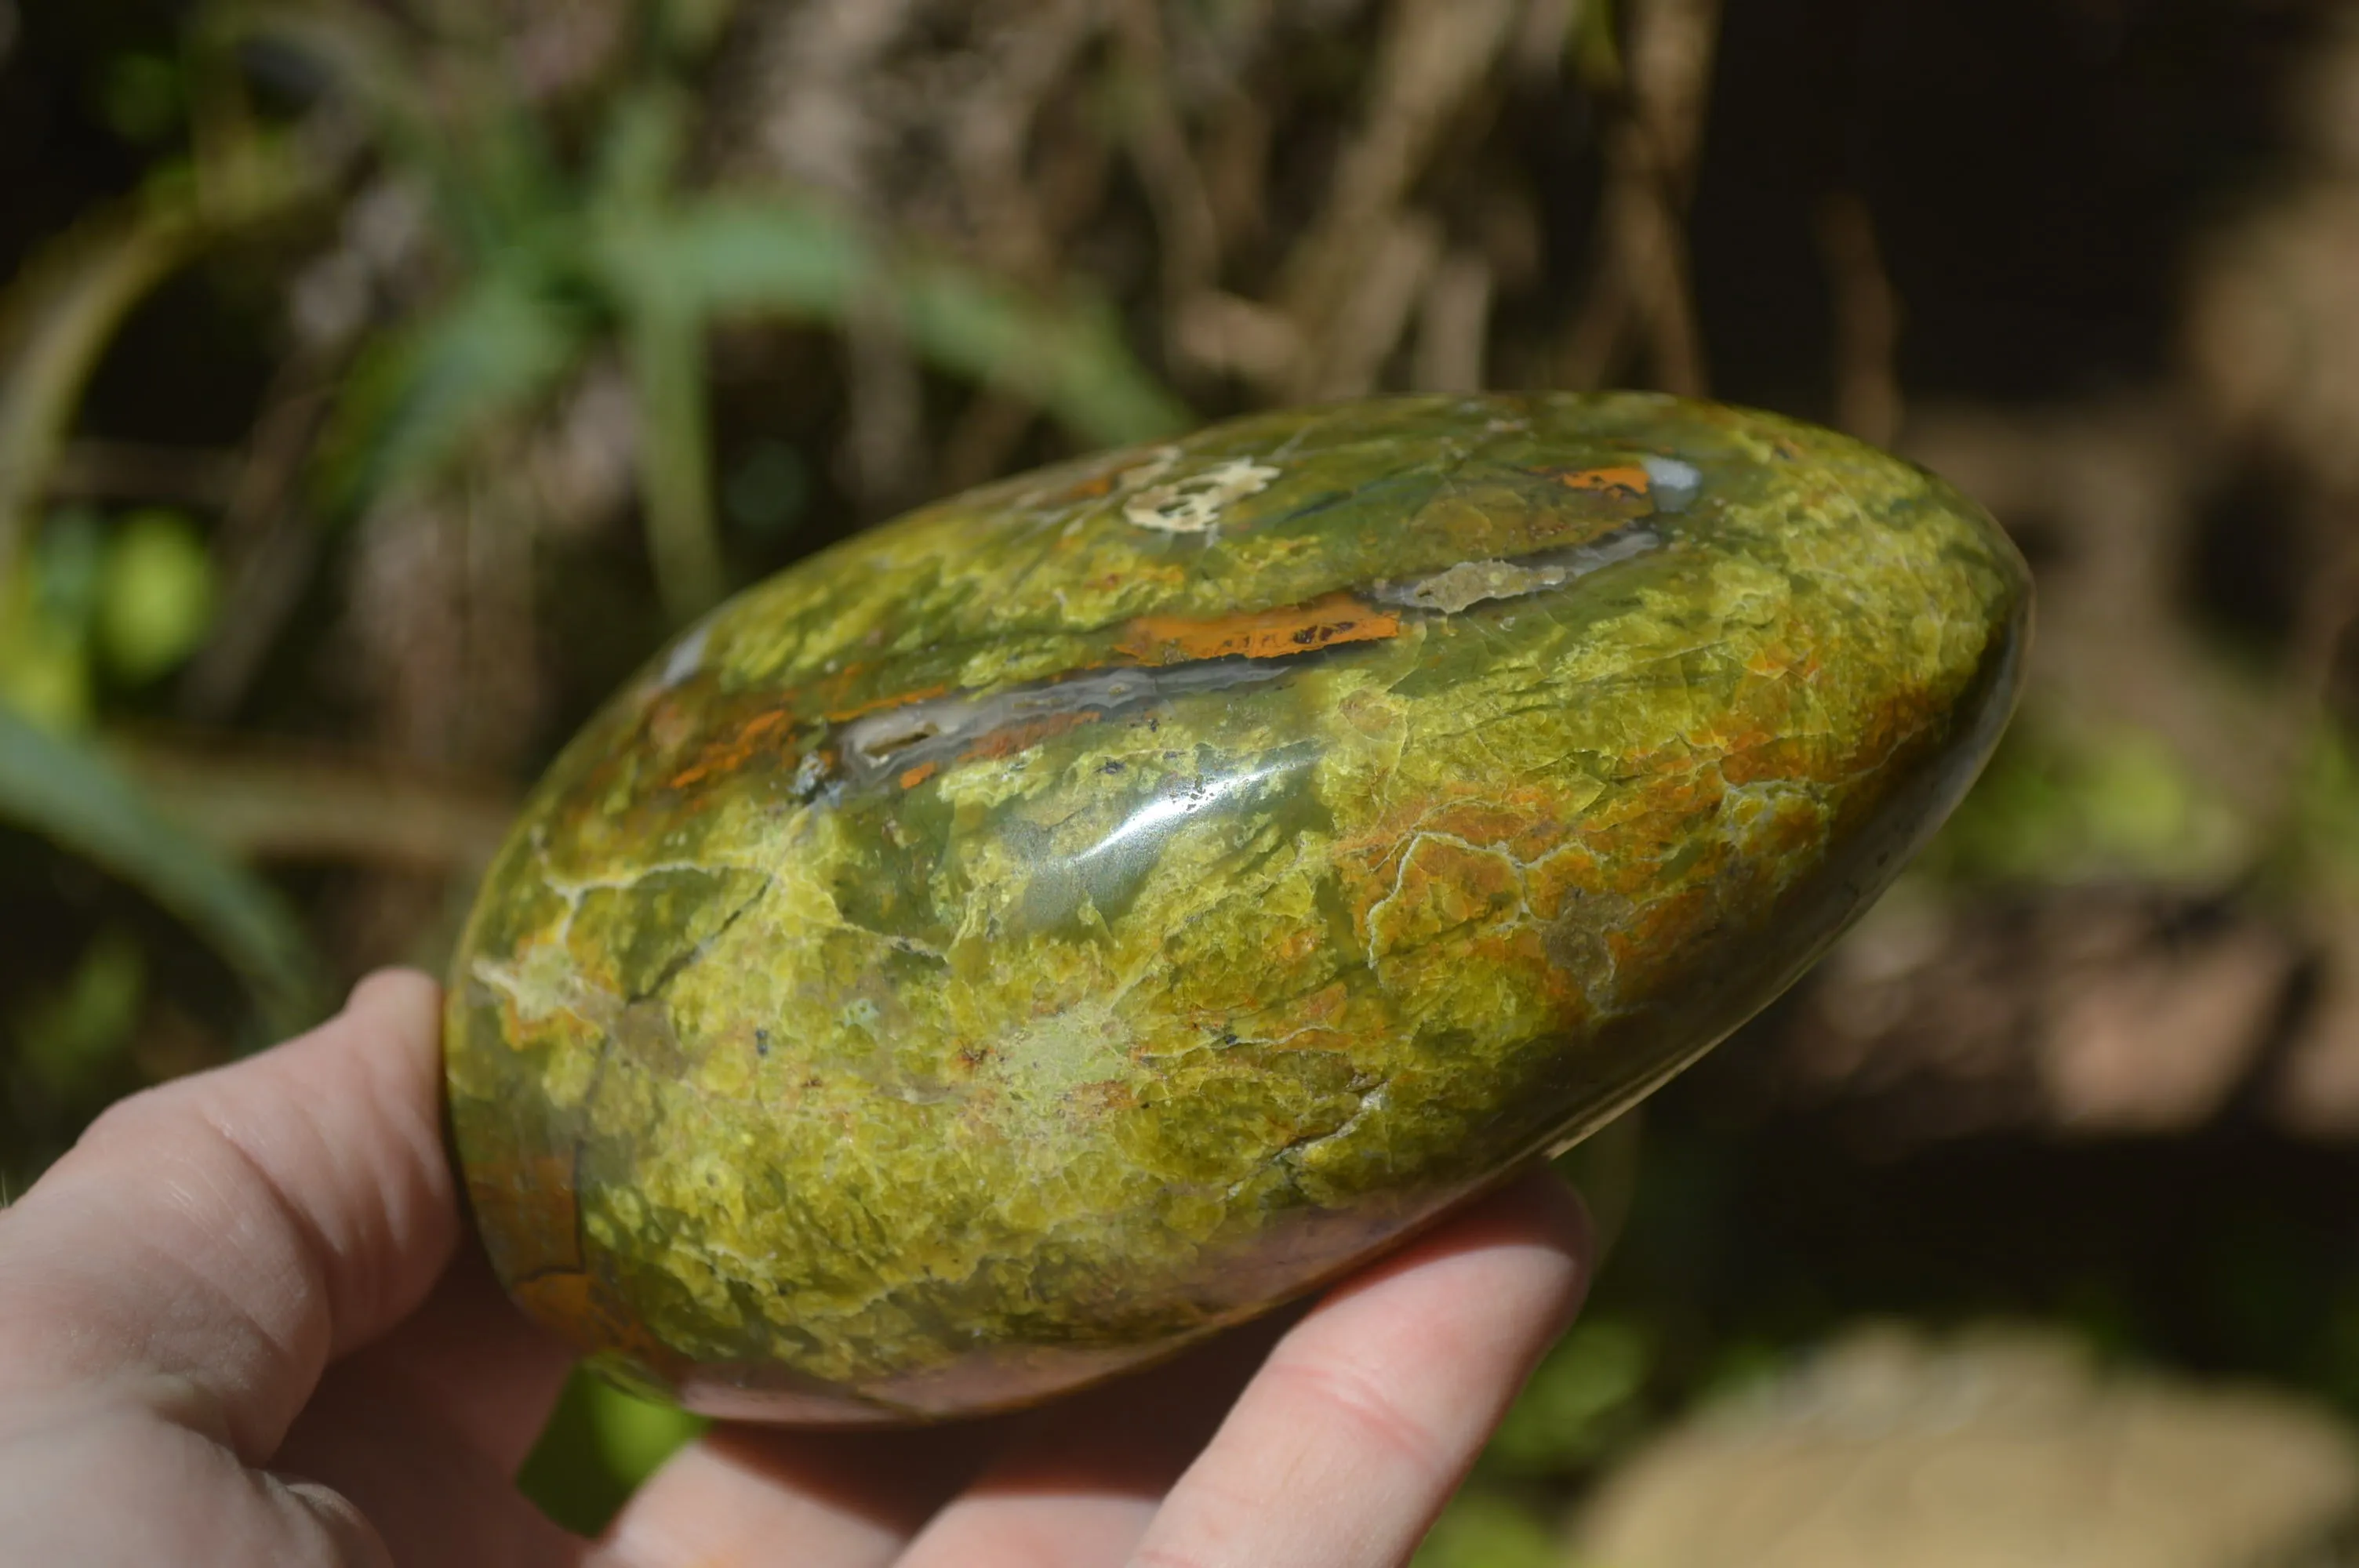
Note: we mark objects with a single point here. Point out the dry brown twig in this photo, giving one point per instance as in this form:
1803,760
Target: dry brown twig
2272,339
1353,280
1235,165
1158,144
1020,61
1453,325
1867,321
503,690
977,445
1642,288
268,544
802,85
884,455
806,115
552,50
280,803
129,471
924,116
1016,220
407,625
1360,334
580,462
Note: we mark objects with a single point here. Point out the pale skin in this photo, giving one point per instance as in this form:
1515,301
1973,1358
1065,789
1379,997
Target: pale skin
240,1325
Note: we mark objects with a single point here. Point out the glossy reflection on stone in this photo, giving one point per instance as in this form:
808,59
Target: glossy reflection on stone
1091,909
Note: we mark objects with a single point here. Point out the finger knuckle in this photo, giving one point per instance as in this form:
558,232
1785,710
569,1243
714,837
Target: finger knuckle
1370,1413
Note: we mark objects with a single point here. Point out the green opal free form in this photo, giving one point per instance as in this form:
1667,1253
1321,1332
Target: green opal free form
1087,912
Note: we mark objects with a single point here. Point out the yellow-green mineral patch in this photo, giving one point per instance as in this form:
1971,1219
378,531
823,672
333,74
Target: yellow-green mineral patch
1090,911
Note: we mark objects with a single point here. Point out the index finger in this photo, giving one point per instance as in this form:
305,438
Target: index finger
1365,1417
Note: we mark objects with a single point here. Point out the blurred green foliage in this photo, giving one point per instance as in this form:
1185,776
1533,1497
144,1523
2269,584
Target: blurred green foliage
560,236
155,598
601,1443
139,97
2326,804
554,263
74,796
1484,1528
549,261
2078,803
1583,1398
768,489
71,1041
129,597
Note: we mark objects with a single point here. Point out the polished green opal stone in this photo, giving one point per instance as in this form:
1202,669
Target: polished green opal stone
1089,911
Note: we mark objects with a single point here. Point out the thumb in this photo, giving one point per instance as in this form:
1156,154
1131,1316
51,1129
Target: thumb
212,1244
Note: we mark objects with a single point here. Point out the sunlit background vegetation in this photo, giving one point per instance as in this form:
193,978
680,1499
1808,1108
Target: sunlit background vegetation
380,380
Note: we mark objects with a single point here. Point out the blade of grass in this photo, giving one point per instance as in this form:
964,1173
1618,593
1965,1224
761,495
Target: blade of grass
1069,358
667,362
421,395
663,316
64,791
738,255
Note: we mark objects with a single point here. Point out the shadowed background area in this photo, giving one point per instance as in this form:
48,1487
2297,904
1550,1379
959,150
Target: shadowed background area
381,381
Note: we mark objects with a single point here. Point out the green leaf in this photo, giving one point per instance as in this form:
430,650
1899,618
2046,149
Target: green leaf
740,256
671,271
640,146
731,255
600,1444
44,668
155,594
65,792
666,359
637,1435
70,1037
424,394
1483,1530
1068,358
1581,1397
45,622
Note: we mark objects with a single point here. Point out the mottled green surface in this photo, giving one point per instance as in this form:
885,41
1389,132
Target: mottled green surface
1093,909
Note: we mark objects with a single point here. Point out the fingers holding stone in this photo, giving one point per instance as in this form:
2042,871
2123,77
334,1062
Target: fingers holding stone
832,1499
424,1428
1081,1486
1346,1440
1366,1415
1073,1483
212,1244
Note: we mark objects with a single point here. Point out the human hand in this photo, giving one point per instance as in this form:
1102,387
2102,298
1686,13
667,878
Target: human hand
237,1326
